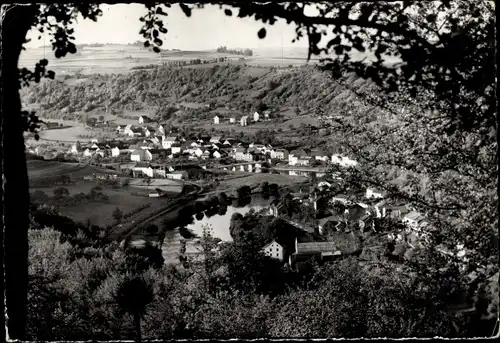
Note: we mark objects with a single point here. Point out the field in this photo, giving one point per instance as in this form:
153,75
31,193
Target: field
47,169
121,58
101,213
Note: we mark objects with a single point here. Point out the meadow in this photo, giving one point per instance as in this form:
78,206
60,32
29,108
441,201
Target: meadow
99,212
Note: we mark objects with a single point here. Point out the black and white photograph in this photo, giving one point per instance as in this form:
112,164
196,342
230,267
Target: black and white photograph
249,170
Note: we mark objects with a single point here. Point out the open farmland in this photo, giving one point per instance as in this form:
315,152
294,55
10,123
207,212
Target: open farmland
119,59
70,134
101,212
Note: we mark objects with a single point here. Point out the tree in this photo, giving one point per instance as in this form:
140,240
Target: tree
133,295
147,181
118,214
60,193
423,35
265,189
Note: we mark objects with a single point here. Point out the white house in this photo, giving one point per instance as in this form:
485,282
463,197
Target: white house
256,116
244,121
87,153
273,250
115,152
144,169
74,149
147,133
217,120
232,120
217,155
280,154
199,152
168,141
144,119
160,130
343,161
176,149
178,175
373,194
141,155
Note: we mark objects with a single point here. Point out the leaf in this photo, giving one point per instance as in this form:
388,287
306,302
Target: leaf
156,49
262,33
228,12
146,44
185,9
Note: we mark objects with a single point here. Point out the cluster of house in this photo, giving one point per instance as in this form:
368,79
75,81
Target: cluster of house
358,216
218,119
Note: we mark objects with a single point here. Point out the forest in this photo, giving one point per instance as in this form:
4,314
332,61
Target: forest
83,287
243,87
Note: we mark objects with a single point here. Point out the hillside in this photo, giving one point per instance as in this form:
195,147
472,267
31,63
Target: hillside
239,87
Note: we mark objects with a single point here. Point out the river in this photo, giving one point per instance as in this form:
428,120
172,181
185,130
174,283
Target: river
218,225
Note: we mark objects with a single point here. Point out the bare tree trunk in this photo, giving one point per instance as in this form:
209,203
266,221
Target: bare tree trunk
137,324
16,21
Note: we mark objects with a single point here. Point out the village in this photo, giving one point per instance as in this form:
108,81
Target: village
150,149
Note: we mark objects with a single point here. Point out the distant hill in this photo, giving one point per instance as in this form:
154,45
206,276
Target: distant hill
238,86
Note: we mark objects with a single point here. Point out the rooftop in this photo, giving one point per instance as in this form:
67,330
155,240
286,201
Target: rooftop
316,247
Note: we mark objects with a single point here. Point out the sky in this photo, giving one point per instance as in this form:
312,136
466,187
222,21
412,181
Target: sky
207,28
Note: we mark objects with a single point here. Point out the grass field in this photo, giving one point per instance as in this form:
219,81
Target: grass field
47,169
101,213
69,134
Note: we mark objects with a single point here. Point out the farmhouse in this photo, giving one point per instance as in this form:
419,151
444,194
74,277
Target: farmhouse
244,121
135,132
256,116
343,161
159,170
141,170
318,250
144,119
232,120
115,152
217,155
168,141
280,154
217,119
176,149
141,155
177,175
273,250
